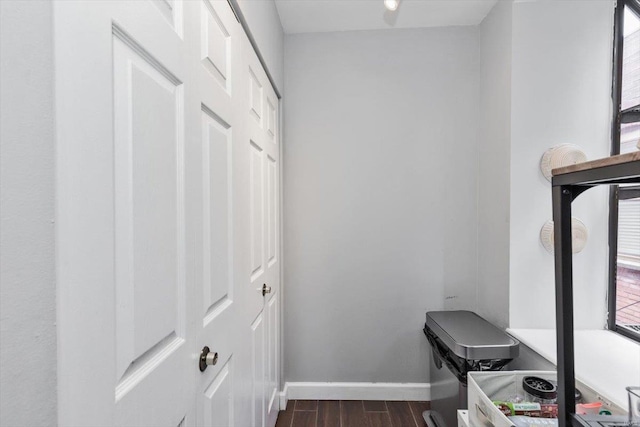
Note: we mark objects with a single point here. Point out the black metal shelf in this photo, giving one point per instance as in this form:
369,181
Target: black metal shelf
567,184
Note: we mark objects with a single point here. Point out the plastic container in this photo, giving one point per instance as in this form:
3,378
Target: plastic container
486,387
634,406
539,390
592,408
520,421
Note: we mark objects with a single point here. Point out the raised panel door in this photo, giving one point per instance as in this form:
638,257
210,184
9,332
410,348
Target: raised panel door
167,216
264,221
124,129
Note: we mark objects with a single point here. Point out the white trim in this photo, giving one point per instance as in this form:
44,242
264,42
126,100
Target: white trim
354,391
628,261
284,398
279,134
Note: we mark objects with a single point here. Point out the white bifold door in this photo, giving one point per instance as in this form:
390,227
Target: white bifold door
167,217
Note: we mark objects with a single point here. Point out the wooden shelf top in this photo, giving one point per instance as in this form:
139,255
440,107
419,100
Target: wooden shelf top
599,163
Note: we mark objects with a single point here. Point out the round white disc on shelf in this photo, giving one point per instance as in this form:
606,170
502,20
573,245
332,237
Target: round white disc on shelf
579,235
560,156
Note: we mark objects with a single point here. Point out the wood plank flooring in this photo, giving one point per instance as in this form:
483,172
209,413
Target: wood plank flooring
352,413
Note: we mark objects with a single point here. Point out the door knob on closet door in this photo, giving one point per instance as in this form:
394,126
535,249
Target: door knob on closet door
207,357
266,289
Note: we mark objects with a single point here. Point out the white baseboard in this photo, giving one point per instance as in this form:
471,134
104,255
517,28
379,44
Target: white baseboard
354,391
284,397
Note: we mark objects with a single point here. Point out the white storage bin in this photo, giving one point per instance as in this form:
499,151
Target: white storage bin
485,387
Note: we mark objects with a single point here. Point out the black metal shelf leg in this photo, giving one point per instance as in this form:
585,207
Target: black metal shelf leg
562,198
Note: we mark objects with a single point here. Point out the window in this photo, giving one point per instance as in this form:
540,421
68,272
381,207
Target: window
624,230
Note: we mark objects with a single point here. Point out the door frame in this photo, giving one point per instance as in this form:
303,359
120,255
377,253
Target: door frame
281,397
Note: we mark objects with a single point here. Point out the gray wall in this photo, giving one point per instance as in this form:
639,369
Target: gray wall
493,165
379,198
27,277
264,23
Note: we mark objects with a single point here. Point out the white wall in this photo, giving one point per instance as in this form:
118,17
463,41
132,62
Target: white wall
561,86
494,164
540,88
264,24
27,278
380,198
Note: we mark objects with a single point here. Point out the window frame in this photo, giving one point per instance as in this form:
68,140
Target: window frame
628,115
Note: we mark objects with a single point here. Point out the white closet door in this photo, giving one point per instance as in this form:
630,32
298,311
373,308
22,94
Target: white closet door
167,216
263,273
126,122
217,171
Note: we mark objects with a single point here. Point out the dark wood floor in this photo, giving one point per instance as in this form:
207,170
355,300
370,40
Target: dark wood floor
352,413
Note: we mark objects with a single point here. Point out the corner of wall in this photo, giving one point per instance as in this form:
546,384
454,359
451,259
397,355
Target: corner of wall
494,164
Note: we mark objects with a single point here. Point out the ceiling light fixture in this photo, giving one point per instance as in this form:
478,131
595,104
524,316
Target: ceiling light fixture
391,4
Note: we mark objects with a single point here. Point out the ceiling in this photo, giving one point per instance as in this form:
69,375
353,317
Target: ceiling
310,16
